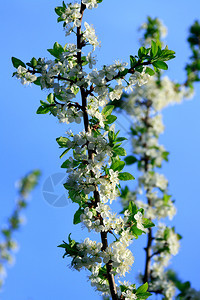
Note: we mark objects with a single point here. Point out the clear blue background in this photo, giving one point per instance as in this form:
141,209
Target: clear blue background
28,28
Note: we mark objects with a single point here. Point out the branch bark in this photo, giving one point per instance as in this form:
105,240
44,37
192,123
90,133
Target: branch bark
84,94
147,271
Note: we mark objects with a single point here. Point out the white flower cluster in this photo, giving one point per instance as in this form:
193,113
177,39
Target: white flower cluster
108,222
97,281
89,254
128,294
69,115
90,3
163,94
166,236
90,36
138,217
121,257
160,207
152,179
72,14
25,76
139,78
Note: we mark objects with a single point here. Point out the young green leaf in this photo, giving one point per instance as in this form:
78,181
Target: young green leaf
119,151
142,289
147,223
118,165
133,61
142,52
77,215
107,110
110,119
125,176
42,110
154,49
17,62
130,160
132,208
160,65
64,152
149,71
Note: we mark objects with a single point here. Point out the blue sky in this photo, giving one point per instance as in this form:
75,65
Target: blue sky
28,28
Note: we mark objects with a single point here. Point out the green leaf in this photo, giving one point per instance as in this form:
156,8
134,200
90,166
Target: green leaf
165,155
111,136
33,62
17,62
125,176
142,289
130,160
142,52
132,208
154,49
66,164
110,119
117,165
143,296
160,65
42,110
59,10
62,141
57,50
139,68
77,215
124,192
123,73
50,98
133,61
63,245
37,81
166,233
45,108
107,110
149,71
166,54
147,223
119,151
64,152
120,139
135,231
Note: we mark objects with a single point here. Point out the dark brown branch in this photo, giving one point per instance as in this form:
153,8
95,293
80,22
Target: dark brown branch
84,94
147,271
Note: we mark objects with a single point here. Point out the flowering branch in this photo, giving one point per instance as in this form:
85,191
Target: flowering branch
8,244
95,167
144,106
84,94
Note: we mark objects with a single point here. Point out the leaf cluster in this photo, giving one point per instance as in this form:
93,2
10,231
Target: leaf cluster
141,292
154,55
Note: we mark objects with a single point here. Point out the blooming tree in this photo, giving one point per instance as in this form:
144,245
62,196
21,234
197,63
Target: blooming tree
80,93
144,106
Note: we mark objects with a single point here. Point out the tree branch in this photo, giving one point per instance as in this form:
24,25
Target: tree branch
147,271
84,94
